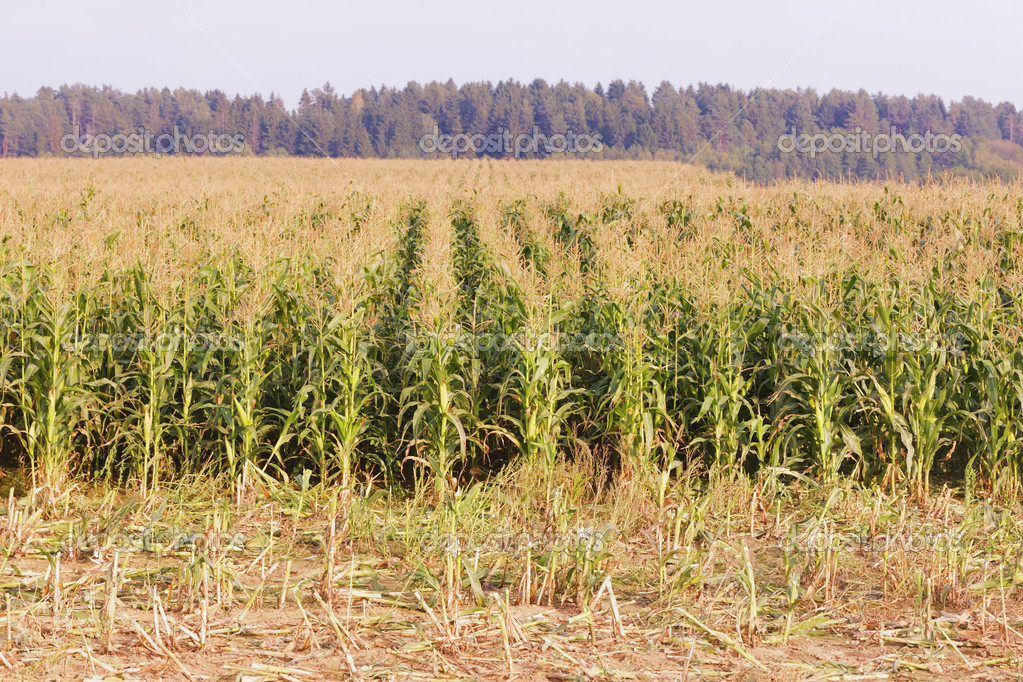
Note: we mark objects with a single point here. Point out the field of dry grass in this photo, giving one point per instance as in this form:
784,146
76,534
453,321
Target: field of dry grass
294,419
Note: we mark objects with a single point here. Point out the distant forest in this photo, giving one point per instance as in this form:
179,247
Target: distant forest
716,126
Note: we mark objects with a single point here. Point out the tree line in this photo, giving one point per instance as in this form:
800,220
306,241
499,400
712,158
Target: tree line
717,126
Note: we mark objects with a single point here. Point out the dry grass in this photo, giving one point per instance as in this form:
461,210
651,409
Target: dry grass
183,586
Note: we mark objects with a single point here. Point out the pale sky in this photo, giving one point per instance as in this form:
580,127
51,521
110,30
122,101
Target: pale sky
905,47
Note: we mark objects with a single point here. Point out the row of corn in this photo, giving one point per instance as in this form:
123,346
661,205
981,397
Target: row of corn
282,370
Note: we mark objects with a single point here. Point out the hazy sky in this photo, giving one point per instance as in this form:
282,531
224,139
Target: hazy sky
906,47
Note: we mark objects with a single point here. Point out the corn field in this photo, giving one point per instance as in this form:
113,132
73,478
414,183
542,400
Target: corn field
417,325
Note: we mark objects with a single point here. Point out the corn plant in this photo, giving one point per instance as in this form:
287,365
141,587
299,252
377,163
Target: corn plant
195,362
996,372
887,378
434,406
679,216
245,351
49,388
331,415
573,232
152,356
532,251
486,308
817,386
724,385
635,402
540,384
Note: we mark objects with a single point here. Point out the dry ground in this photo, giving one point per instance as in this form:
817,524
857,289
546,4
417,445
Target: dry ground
206,590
